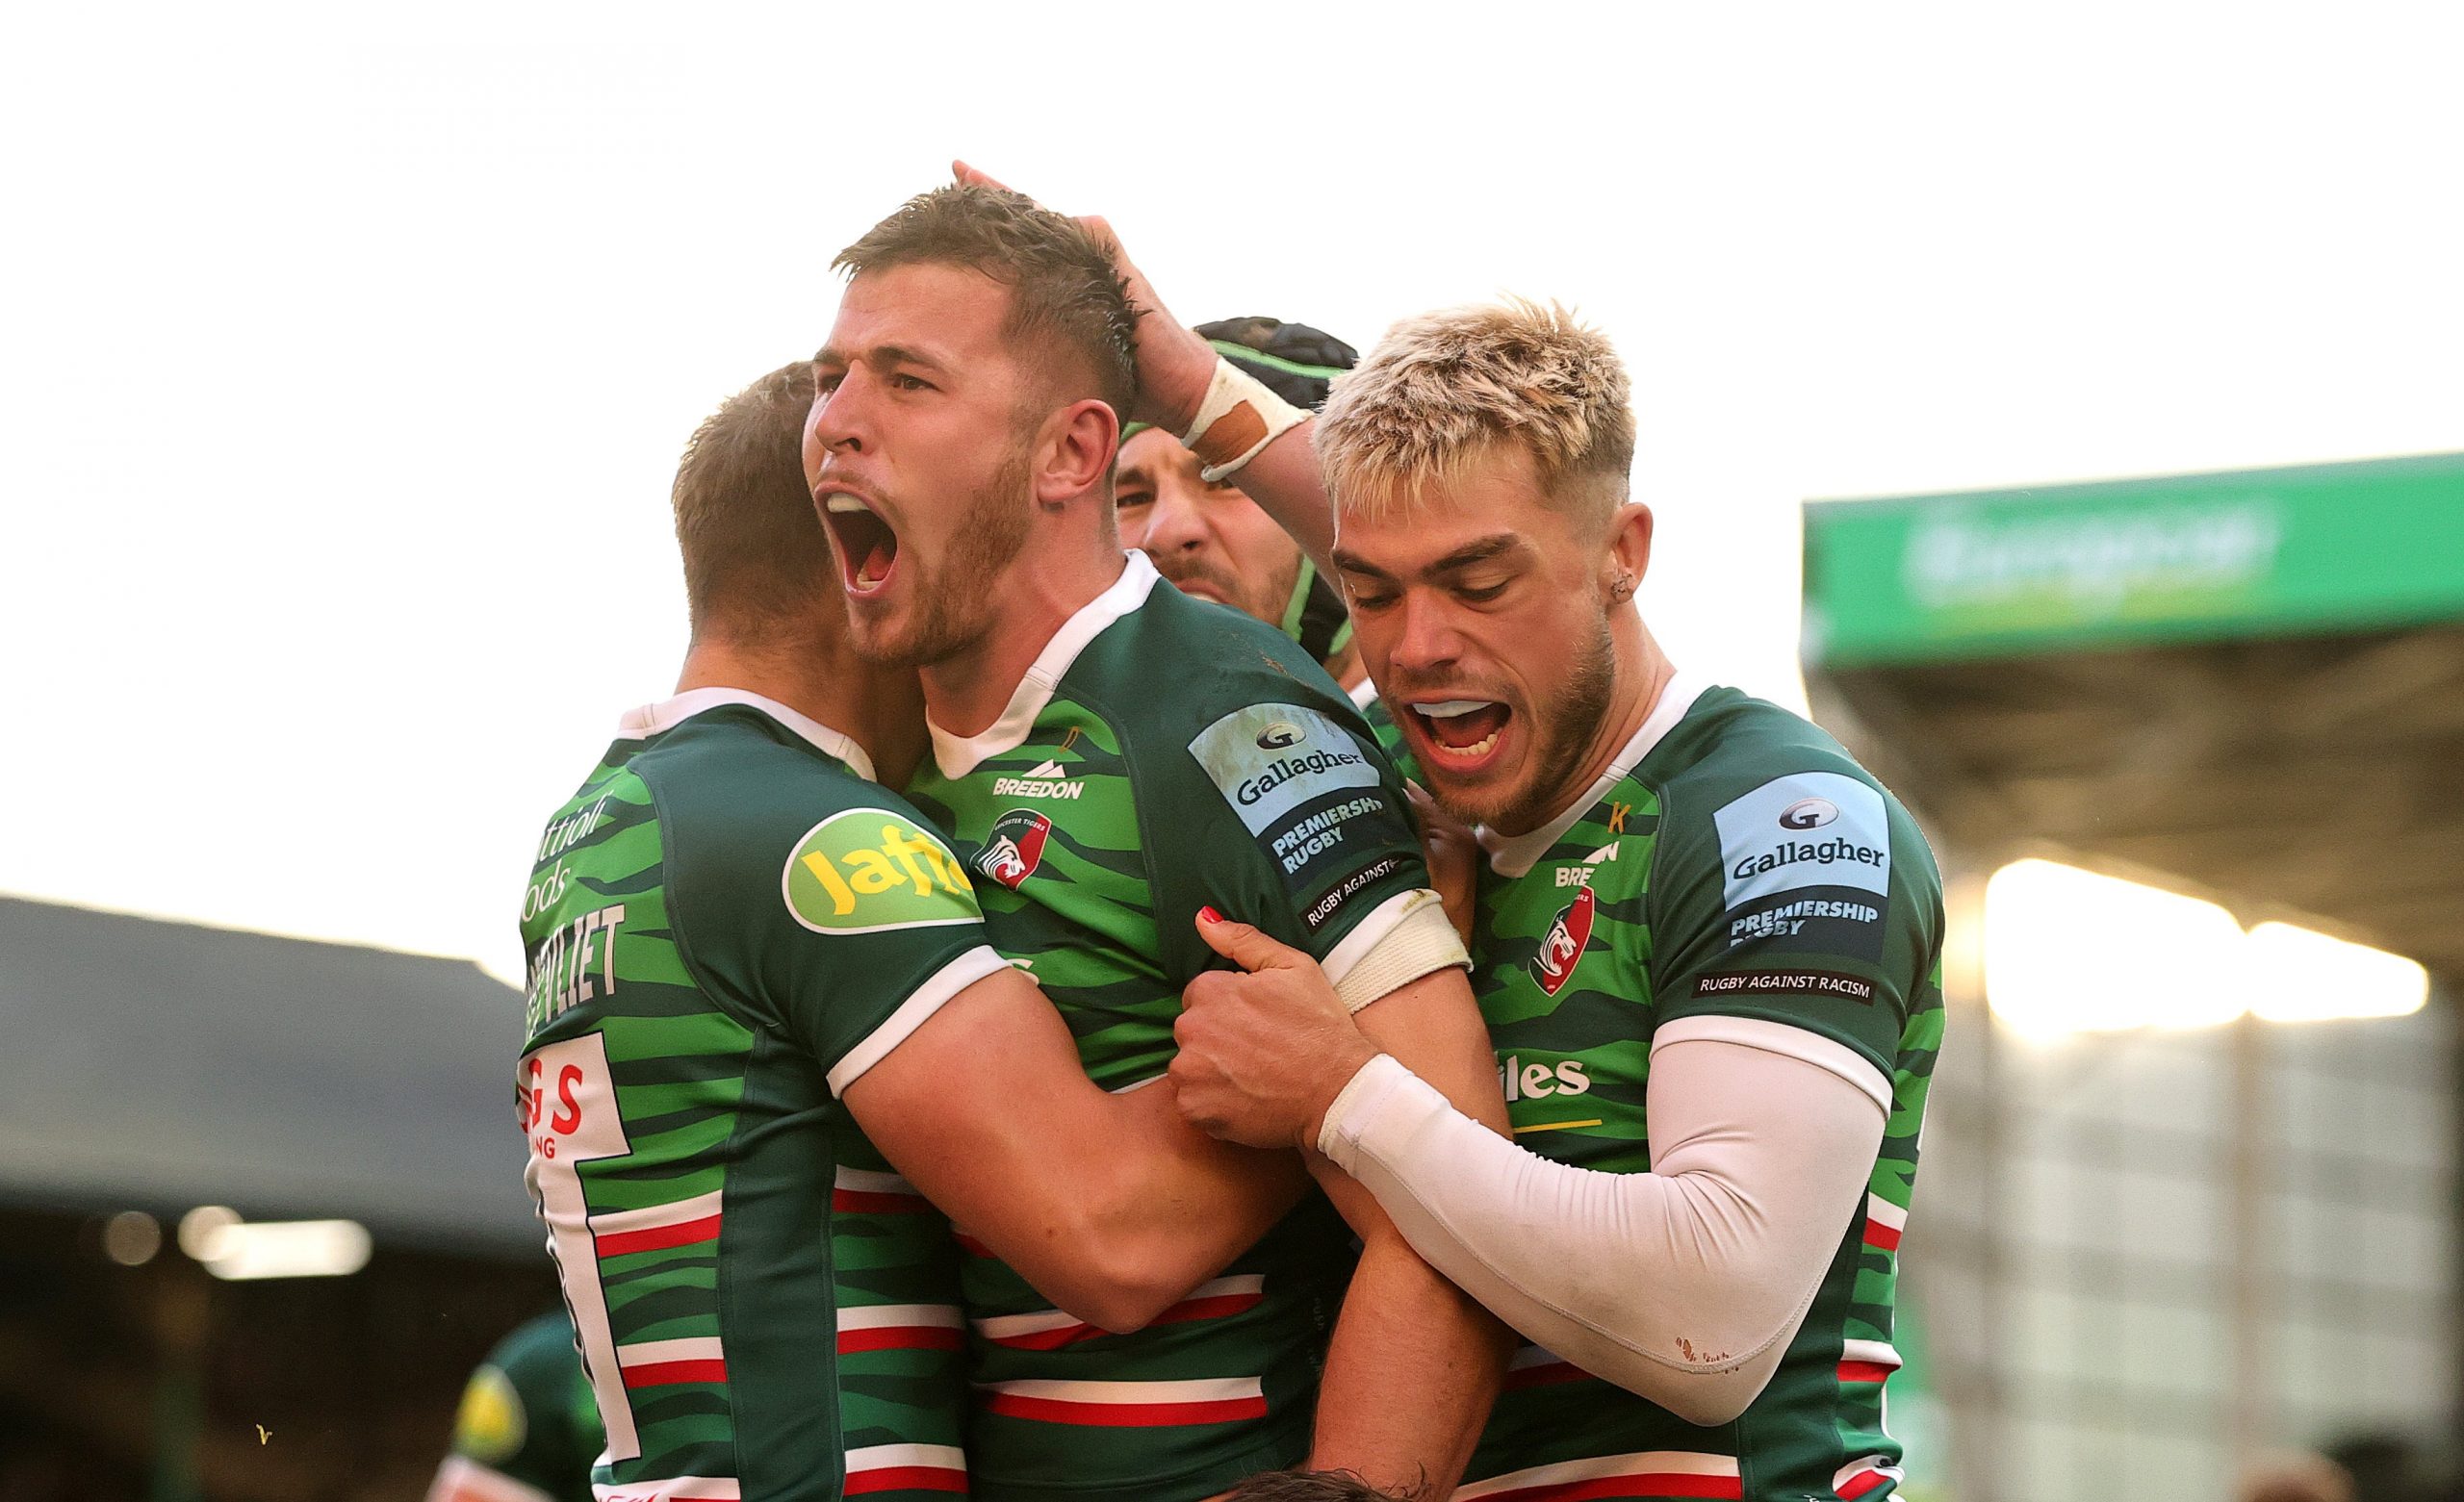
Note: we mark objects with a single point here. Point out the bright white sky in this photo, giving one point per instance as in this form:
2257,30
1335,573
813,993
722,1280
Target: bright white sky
347,351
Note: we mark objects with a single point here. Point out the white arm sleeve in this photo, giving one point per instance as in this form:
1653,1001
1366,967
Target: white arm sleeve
1684,1284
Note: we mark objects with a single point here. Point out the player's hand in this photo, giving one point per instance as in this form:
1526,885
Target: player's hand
1265,1049
1454,855
1174,364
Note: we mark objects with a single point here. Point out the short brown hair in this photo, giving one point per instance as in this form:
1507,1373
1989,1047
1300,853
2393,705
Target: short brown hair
1063,291
1442,388
754,552
1309,1485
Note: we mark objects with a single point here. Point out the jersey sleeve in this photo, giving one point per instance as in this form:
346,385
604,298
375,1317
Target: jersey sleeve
1304,824
1799,900
827,907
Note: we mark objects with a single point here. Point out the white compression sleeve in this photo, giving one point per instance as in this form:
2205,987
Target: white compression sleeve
1684,1284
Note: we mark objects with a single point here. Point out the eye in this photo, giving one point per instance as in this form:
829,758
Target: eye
1480,594
909,383
824,382
1132,500
1367,599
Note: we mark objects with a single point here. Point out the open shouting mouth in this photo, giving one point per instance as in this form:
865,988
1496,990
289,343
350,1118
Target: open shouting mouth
1460,736
868,545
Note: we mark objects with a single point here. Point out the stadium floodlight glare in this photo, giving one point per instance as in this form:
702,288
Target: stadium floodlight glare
2305,975
237,1250
132,1237
2072,950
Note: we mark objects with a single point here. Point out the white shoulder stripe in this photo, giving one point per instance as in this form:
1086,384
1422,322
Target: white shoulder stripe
929,998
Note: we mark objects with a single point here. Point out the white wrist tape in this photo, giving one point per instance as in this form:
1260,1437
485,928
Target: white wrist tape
1239,416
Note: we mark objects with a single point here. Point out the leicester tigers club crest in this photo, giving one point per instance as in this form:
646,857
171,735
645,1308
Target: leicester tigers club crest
1015,847
1562,948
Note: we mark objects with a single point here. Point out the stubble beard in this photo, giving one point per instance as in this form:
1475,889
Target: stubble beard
956,602
1566,730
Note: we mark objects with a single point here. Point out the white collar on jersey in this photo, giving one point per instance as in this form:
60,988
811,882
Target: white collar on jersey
640,725
956,755
1514,854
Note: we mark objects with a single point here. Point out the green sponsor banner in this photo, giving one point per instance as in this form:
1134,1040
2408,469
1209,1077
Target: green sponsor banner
2248,553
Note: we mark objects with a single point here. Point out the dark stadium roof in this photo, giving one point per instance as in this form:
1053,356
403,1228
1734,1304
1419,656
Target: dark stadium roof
159,1066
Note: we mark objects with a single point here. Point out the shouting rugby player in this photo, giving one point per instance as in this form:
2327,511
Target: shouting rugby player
1110,757
763,1022
1707,942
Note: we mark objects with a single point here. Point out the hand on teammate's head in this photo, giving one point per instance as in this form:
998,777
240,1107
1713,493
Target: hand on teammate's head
1173,363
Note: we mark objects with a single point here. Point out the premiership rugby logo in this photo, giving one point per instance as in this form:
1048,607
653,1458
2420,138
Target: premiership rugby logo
1562,950
1015,847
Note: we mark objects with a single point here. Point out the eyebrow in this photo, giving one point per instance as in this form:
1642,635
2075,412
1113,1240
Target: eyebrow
1469,555
879,355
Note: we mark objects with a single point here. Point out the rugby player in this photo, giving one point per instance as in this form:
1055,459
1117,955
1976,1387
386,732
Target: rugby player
1214,542
528,1428
1707,942
763,1025
1110,757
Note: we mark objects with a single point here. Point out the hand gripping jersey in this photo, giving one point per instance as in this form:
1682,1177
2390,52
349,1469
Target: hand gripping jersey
1162,754
726,926
527,1429
1735,875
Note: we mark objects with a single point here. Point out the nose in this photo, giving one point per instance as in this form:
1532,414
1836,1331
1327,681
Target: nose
1427,640
838,416
1174,524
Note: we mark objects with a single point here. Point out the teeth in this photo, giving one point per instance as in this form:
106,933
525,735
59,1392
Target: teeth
1448,708
1478,749
841,503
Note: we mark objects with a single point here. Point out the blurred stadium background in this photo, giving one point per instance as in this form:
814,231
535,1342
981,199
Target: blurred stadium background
2189,748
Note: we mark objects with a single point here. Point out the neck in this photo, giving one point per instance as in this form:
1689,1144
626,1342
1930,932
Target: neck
1639,677
1344,668
818,675
965,691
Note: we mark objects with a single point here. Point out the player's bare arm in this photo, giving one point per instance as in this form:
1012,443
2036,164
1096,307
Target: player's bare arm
1111,1205
1401,1315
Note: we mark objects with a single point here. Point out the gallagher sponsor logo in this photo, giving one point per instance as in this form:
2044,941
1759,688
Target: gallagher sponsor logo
1562,950
1808,813
1292,767
1015,847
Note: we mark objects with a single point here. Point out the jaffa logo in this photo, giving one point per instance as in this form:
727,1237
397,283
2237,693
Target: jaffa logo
1015,848
1278,735
1808,813
1562,950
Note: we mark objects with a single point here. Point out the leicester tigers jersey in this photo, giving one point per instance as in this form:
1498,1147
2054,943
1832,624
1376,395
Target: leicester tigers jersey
726,926
1162,754
1735,875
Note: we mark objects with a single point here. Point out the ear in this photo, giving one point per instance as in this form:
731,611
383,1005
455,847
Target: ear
1080,443
1629,549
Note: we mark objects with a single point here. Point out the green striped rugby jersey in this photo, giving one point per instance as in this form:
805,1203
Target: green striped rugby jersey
527,1429
1161,754
1735,875
726,925
1382,728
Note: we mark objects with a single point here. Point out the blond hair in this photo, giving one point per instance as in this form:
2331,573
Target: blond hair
1444,388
